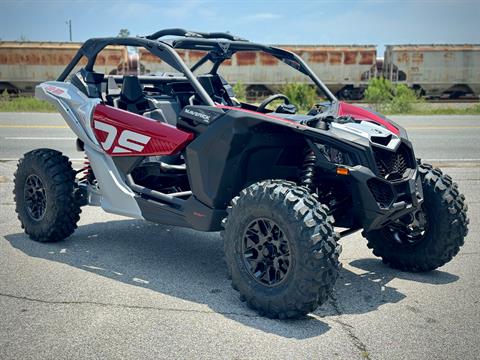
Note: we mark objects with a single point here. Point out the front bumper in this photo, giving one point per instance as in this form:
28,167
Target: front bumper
377,201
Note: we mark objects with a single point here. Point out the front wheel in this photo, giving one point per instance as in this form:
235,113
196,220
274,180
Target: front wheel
44,195
430,237
281,250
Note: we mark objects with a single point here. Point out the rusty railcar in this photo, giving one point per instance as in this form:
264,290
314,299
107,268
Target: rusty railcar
345,69
26,64
435,70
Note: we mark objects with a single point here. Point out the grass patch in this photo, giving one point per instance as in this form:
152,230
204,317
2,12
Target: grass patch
419,109
300,95
388,98
24,104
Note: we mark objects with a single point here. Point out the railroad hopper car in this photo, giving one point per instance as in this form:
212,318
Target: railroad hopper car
433,70
345,69
23,65
448,71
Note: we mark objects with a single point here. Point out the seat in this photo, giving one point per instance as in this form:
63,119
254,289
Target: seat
88,82
132,97
218,88
112,91
166,109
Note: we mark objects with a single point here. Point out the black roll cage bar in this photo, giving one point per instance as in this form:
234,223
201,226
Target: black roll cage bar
219,46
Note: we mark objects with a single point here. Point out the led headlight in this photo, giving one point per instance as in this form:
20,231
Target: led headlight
335,155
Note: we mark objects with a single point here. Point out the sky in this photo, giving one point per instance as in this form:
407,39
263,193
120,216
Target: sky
273,22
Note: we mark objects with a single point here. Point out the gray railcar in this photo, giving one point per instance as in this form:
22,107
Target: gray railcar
435,70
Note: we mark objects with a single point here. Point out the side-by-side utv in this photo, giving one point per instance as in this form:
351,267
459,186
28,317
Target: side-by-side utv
179,148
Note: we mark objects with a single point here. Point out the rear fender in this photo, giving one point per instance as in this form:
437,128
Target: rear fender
74,106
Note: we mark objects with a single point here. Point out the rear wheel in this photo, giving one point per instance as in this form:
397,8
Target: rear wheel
281,249
44,195
430,237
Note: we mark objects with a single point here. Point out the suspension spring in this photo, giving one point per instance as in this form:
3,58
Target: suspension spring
86,170
307,177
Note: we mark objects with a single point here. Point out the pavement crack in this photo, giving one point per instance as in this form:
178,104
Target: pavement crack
127,306
349,330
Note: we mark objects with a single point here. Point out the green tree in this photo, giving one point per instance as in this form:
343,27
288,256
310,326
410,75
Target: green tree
123,33
304,96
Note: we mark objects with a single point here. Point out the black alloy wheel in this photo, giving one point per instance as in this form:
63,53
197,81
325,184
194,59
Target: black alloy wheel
411,229
266,252
35,197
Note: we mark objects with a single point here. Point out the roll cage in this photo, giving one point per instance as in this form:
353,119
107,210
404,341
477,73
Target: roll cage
219,47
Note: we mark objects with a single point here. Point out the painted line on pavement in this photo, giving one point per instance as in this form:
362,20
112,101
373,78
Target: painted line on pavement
74,161
427,127
408,128
459,160
423,159
37,138
13,126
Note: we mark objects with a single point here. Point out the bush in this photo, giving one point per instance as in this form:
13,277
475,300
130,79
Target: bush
379,91
403,100
386,97
304,96
240,91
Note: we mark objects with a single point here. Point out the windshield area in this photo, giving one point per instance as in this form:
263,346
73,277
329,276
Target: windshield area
261,79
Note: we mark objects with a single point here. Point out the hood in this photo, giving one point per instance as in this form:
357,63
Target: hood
360,113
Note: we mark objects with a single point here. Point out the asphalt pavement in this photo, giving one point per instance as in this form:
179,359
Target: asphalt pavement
440,137
122,288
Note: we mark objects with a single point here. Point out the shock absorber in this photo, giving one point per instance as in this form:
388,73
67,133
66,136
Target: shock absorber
307,177
86,170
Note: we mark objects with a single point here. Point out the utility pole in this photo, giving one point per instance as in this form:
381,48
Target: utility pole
69,23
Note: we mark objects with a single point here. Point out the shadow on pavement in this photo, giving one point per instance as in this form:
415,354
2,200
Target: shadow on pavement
367,288
189,265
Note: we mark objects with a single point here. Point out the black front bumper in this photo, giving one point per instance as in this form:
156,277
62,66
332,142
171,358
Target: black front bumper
377,201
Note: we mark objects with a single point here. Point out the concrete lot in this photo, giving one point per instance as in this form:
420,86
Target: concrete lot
121,288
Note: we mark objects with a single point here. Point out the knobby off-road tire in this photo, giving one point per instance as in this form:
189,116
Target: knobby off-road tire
44,195
307,236
446,228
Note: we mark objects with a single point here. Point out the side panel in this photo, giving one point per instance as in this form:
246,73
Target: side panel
116,196
122,133
238,149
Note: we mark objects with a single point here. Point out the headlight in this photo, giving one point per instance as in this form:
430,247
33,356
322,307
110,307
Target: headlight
335,155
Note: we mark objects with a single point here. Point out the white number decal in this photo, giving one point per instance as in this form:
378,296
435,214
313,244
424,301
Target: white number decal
125,141
126,137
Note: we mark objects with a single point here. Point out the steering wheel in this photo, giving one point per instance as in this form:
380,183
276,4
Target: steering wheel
263,105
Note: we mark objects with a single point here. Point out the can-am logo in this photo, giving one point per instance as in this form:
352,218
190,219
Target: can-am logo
54,90
127,142
197,114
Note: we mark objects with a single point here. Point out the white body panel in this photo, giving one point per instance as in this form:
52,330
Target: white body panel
113,195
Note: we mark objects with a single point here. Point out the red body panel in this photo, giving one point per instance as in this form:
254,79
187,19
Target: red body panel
123,133
359,113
